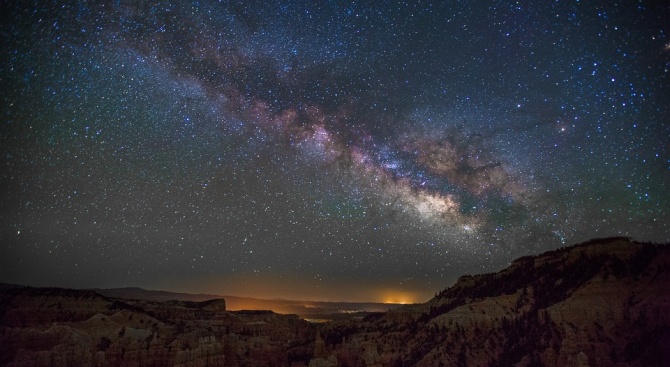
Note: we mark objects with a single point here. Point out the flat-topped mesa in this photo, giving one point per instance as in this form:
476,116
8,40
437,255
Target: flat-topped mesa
214,305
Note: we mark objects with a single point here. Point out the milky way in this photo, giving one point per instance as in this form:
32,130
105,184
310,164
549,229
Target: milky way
338,151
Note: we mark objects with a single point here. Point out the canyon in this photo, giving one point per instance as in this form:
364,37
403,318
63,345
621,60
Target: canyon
605,302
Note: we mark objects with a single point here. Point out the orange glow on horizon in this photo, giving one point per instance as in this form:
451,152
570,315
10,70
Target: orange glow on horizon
271,288
402,298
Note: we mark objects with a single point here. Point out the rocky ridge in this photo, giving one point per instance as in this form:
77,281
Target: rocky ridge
602,303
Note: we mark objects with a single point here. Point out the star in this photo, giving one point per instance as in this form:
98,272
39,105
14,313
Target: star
306,145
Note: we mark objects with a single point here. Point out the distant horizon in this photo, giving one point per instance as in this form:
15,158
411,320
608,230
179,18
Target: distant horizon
399,300
269,290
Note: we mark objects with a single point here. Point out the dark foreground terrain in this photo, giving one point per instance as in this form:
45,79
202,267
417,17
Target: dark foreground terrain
602,303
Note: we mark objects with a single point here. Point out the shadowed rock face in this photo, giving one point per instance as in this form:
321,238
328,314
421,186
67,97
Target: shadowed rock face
60,327
602,303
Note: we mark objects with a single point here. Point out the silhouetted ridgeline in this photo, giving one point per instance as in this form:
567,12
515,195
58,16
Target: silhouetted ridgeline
307,310
605,302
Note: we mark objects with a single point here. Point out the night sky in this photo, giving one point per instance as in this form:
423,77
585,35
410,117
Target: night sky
339,151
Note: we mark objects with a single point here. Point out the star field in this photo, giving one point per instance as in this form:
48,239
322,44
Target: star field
337,151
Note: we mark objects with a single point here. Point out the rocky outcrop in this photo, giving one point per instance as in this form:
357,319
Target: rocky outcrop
371,357
58,327
602,303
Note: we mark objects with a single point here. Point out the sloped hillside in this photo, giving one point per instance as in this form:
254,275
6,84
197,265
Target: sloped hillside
602,303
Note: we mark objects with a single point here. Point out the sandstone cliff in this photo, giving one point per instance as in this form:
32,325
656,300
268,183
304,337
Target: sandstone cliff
602,303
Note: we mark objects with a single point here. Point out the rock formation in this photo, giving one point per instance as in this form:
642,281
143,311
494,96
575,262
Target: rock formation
319,359
602,303
60,327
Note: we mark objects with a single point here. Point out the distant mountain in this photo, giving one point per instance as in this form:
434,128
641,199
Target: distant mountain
304,309
605,302
152,295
